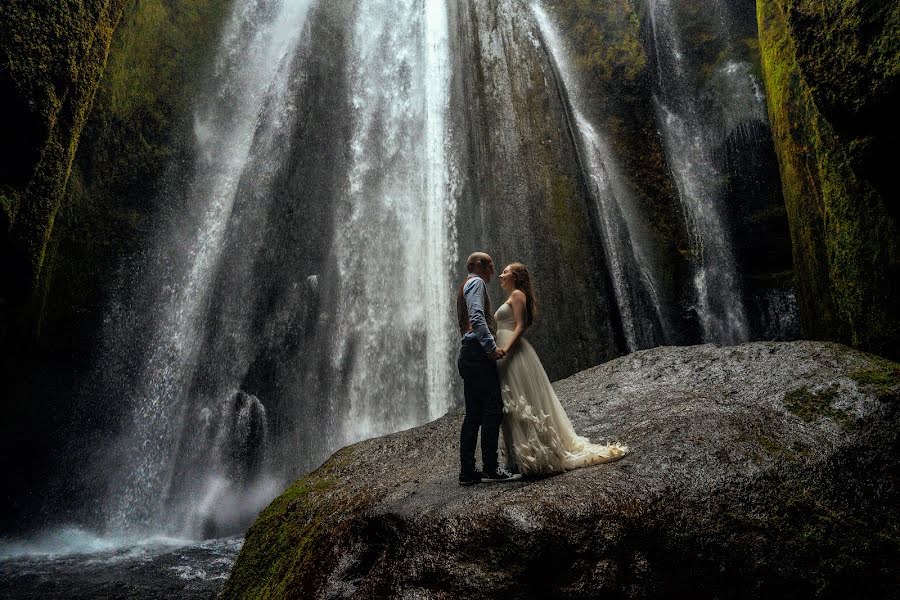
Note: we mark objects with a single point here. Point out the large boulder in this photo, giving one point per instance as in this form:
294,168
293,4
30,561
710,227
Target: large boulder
767,469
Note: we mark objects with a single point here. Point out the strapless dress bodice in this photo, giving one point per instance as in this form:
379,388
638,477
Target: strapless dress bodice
505,318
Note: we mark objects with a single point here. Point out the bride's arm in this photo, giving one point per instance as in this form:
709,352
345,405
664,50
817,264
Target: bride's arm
517,301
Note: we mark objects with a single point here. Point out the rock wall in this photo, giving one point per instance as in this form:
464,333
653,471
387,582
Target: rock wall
522,193
53,58
831,72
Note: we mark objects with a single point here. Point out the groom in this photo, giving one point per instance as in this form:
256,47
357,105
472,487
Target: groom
478,367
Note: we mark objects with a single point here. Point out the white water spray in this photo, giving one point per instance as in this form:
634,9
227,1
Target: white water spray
394,242
253,66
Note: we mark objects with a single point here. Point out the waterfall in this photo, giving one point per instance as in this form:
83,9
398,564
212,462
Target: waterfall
691,131
233,130
628,254
393,326
260,359
300,295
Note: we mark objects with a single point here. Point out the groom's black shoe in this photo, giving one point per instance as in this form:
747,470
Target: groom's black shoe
499,475
470,478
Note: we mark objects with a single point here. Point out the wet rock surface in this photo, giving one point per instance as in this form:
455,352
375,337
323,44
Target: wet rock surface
766,469
153,570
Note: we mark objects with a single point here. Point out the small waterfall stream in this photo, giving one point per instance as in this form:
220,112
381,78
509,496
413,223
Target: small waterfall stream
691,132
623,229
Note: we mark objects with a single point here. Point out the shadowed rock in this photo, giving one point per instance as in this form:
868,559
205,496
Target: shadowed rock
767,469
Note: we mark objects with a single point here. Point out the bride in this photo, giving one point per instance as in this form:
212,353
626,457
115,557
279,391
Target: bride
539,436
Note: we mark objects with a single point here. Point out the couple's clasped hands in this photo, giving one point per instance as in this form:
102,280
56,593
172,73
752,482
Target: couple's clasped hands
498,354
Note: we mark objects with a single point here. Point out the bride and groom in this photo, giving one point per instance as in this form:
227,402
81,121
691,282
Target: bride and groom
505,386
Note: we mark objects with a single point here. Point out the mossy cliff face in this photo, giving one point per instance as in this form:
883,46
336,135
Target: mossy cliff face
98,96
136,143
53,55
831,73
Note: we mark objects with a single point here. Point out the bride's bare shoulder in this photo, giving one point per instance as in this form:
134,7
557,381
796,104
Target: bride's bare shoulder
517,296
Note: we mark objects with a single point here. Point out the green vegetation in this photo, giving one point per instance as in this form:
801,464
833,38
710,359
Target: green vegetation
283,543
809,405
775,449
52,59
292,541
833,168
883,381
139,127
97,93
566,225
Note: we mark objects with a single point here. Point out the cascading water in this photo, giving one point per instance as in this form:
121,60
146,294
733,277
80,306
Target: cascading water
300,296
394,243
234,455
691,131
235,129
629,257
212,437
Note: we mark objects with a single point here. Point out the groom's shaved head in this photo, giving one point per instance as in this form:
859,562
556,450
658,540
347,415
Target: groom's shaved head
475,259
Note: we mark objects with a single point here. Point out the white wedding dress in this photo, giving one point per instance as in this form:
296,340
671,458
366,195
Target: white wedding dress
538,435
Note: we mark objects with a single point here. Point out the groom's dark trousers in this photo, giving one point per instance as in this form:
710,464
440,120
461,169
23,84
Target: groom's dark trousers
484,407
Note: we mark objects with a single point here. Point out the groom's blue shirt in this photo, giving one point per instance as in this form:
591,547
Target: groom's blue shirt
475,292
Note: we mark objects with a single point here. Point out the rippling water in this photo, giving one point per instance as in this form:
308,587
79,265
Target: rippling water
74,564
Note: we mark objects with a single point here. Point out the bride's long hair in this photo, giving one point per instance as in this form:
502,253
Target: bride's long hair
522,280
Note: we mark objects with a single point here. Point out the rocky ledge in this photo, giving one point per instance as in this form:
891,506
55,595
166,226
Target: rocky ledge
761,470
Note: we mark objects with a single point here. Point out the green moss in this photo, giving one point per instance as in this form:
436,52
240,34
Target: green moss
138,127
604,38
773,448
569,233
56,55
292,541
810,405
884,381
282,543
845,239
7,201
